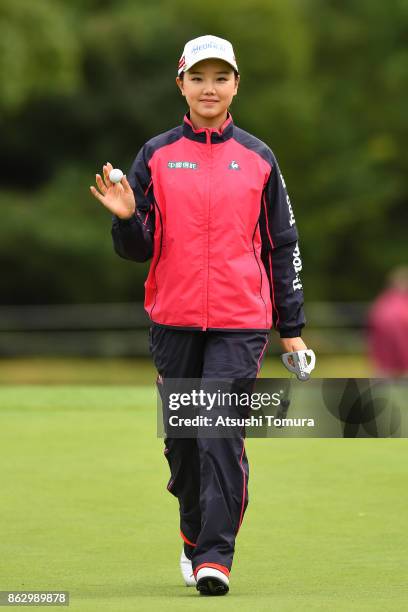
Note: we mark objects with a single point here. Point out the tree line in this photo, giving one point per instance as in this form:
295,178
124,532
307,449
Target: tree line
323,83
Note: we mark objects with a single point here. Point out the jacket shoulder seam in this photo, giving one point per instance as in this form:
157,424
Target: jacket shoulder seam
162,140
254,144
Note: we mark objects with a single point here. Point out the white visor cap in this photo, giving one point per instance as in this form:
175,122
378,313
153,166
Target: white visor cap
206,47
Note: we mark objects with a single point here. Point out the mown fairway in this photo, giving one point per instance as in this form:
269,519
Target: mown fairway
84,508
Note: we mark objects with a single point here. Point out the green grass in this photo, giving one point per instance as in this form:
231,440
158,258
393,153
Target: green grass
63,370
84,508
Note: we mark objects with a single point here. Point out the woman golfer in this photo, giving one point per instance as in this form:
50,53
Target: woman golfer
207,203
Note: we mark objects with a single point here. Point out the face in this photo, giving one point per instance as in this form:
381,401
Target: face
209,87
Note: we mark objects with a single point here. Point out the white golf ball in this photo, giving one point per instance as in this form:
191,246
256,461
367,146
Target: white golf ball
115,175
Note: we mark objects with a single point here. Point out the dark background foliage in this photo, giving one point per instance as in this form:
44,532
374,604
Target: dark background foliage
323,83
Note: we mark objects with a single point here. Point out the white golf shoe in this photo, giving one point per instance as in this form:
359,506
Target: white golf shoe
187,570
211,581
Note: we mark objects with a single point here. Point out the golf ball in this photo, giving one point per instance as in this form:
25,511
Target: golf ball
115,175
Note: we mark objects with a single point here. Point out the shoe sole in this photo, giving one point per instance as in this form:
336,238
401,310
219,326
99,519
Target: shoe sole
211,586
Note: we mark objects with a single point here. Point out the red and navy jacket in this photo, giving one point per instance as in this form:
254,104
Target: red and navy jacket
213,213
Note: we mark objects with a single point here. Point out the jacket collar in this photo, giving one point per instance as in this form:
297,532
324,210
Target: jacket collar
200,135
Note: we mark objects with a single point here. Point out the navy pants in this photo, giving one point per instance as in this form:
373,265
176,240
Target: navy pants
209,476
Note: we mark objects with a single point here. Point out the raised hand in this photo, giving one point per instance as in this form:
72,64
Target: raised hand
116,197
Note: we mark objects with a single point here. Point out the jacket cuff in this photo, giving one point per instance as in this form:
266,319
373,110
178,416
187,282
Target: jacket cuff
295,332
125,222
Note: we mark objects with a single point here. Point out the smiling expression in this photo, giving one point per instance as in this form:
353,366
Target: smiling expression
209,87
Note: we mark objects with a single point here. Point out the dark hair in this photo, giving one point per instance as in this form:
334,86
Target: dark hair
181,75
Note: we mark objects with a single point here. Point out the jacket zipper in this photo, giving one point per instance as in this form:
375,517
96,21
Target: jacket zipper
207,271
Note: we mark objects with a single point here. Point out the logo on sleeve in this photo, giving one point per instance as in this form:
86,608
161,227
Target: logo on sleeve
234,165
297,264
291,215
182,164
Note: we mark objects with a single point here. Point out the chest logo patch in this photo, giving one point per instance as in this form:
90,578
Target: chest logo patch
234,165
182,164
